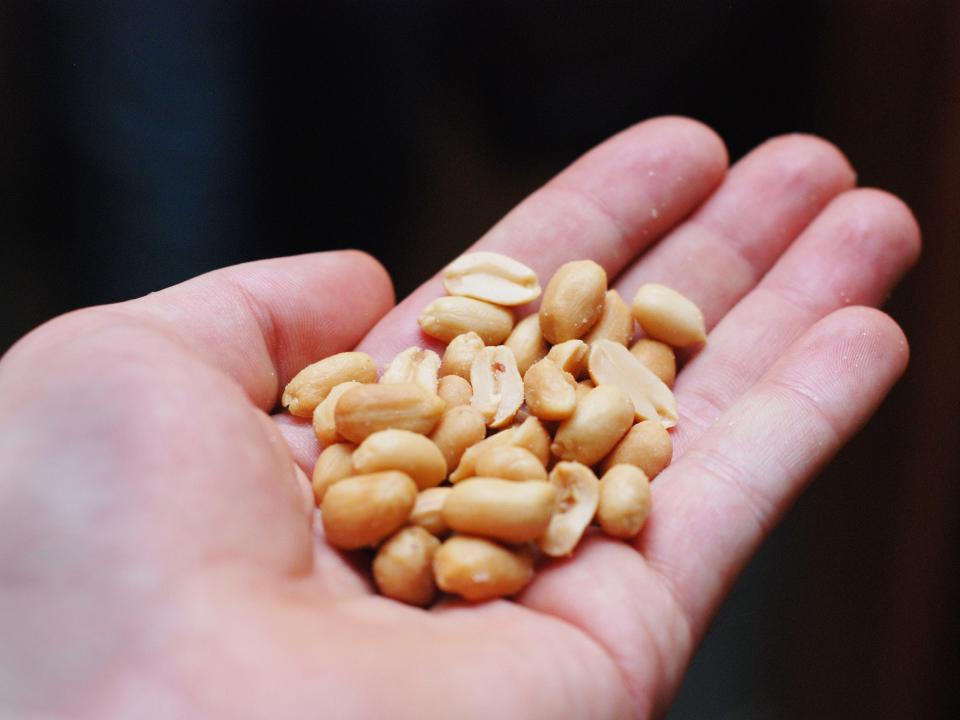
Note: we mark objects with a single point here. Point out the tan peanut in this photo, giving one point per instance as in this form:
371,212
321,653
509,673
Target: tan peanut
646,445
403,567
459,428
583,387
601,418
664,314
658,358
550,393
510,462
364,509
527,342
573,301
334,464
459,355
515,512
615,323
468,461
414,365
497,386
492,277
447,317
402,450
624,501
365,409
612,364
578,492
571,356
427,511
324,422
479,569
454,391
532,435
311,385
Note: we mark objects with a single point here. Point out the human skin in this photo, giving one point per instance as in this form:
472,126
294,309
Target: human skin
158,555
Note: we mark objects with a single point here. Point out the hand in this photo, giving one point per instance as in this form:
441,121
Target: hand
157,552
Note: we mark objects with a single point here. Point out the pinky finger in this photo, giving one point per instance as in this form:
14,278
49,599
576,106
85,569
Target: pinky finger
718,502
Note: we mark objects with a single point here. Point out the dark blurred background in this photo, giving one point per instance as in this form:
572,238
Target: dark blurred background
142,143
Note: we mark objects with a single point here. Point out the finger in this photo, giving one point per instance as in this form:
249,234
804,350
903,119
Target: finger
262,322
724,249
607,206
853,253
713,506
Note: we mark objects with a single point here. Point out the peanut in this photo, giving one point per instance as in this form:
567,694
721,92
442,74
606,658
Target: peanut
658,358
402,450
646,445
454,391
364,509
478,569
532,435
615,323
459,355
577,498
334,464
492,277
612,364
573,301
571,356
583,387
527,343
515,512
447,317
510,462
311,385
365,409
600,419
497,386
550,392
664,314
459,428
414,365
427,511
403,567
324,423
624,501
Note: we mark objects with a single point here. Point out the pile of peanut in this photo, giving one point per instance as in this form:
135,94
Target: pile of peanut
464,471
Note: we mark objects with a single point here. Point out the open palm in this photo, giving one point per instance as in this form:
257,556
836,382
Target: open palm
157,550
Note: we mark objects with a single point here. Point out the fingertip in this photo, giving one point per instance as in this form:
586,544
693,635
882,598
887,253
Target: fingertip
800,155
376,274
871,208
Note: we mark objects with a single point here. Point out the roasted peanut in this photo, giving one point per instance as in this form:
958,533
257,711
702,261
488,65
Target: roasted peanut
624,501
492,277
497,386
447,317
615,323
583,387
324,422
478,569
646,445
612,364
414,365
365,409
402,450
459,428
427,511
468,461
459,355
600,419
527,342
571,356
511,511
573,301
454,391
550,392
510,462
532,435
334,464
403,567
664,314
311,385
577,498
658,358
362,510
